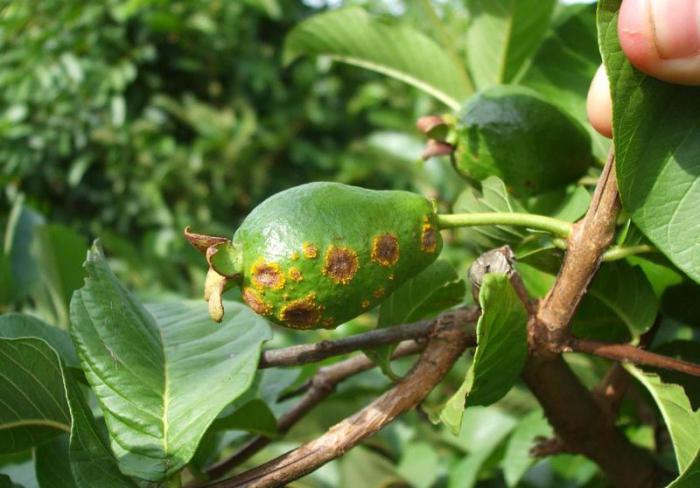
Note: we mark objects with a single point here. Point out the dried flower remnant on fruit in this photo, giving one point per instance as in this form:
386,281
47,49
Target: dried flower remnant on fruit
255,302
294,274
340,264
303,313
428,239
310,251
266,275
385,250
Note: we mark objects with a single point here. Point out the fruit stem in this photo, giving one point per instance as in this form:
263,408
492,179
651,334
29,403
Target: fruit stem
621,252
554,226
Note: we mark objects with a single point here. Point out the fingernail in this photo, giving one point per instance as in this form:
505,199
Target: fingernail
676,26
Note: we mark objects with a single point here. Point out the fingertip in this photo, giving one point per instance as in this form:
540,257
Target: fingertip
599,103
636,34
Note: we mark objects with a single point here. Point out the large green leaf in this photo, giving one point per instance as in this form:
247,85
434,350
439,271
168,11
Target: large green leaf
517,458
656,127
690,478
154,369
493,197
682,421
436,288
626,290
33,406
565,63
500,353
15,325
91,460
58,252
353,36
19,234
503,35
53,464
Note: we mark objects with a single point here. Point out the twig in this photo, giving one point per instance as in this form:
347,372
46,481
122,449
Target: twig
311,353
321,386
585,247
447,342
632,354
578,420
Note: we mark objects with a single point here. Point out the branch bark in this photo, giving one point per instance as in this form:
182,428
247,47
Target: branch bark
579,421
631,354
311,353
585,247
447,342
320,387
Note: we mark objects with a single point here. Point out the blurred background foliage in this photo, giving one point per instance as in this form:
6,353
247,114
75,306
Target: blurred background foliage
128,120
176,113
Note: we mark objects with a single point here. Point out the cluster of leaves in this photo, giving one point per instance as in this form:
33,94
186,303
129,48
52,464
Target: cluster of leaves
150,368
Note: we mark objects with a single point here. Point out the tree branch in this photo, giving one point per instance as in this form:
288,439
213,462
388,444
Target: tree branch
448,340
631,354
311,353
321,386
577,418
585,247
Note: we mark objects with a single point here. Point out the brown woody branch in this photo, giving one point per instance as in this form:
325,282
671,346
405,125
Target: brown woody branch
448,340
585,247
578,419
320,387
311,353
630,354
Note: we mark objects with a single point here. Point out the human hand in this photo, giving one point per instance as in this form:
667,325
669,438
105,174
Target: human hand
660,38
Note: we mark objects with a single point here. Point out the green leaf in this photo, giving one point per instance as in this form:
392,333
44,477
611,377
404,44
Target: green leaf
690,478
503,35
352,36
501,351
419,464
59,253
565,63
152,367
253,416
493,197
436,288
656,127
626,290
685,351
682,421
517,459
33,401
15,325
92,462
518,135
21,226
53,464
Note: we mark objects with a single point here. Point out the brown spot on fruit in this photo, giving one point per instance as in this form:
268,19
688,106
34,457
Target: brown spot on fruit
428,239
266,275
310,251
340,264
365,303
294,274
255,302
385,250
328,322
303,313
378,293
391,277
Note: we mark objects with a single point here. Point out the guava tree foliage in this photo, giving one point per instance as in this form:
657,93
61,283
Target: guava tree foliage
574,359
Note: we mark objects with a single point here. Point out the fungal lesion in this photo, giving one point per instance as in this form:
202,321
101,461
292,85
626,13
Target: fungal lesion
256,302
266,275
303,313
340,264
309,250
428,238
385,250
294,274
